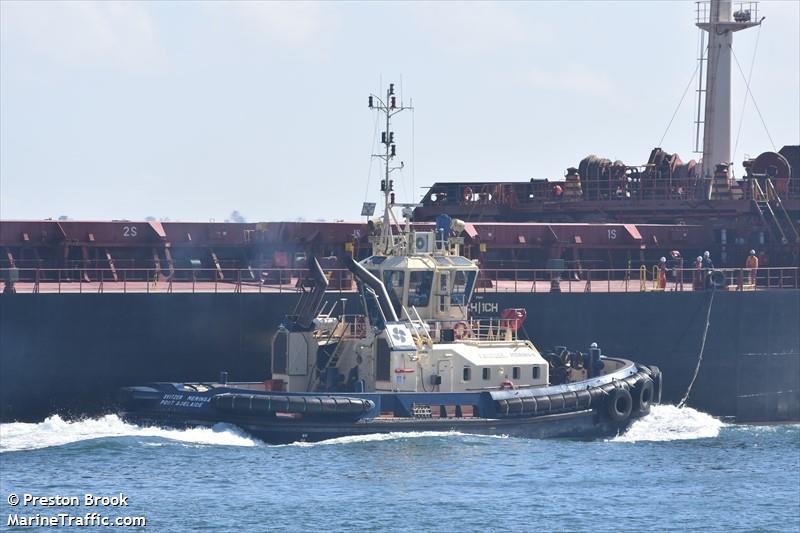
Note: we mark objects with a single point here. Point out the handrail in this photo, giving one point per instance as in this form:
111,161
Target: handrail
777,198
148,281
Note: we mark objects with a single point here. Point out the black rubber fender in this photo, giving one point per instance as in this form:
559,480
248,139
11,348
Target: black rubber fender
556,401
657,377
570,400
619,404
608,388
314,405
543,403
529,405
502,406
597,394
643,397
515,406
631,381
254,403
328,405
222,402
584,398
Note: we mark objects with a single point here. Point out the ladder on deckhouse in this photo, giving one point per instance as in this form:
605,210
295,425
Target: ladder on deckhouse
419,328
333,359
773,214
335,337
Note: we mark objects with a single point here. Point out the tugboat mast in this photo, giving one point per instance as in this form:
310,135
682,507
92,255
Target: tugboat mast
389,108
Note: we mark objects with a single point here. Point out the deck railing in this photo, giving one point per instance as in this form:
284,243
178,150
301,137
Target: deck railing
133,280
639,279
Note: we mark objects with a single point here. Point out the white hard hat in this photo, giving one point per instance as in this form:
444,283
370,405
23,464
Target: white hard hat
699,258
663,259
706,253
752,252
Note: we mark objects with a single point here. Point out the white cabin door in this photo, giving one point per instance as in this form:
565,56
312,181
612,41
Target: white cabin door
445,370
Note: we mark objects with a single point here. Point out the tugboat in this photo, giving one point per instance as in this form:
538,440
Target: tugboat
415,360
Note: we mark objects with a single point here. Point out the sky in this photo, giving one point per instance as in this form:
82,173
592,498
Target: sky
189,111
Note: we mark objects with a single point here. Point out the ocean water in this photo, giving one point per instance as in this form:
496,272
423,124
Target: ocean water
675,470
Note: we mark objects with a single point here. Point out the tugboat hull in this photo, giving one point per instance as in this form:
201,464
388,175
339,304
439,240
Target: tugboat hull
584,424
600,407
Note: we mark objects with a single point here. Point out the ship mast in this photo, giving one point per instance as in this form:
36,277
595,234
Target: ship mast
716,18
389,108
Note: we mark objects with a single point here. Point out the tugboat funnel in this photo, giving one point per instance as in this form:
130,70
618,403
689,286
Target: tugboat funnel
309,305
366,277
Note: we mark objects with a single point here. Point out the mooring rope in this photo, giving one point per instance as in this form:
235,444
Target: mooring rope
682,403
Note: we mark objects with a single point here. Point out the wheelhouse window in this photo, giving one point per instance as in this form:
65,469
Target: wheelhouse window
467,376
419,288
536,372
516,372
463,282
487,373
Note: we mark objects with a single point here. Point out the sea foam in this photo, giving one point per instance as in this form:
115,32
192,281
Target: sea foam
668,422
55,431
379,437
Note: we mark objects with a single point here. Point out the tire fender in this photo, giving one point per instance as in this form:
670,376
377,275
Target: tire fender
643,396
619,404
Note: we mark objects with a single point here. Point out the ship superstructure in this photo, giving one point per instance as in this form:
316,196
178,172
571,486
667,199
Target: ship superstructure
416,333
759,209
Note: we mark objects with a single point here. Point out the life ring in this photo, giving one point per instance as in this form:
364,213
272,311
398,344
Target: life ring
507,385
460,330
644,396
619,404
467,195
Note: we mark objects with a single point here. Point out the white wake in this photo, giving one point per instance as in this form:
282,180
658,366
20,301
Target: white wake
379,437
55,431
668,422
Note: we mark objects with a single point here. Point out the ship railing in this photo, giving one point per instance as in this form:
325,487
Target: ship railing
634,279
483,329
155,280
354,326
571,280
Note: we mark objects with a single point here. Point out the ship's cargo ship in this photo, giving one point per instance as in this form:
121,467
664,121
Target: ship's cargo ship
88,307
66,328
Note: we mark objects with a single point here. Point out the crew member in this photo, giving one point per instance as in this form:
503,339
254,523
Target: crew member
697,277
676,266
662,273
708,266
752,266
